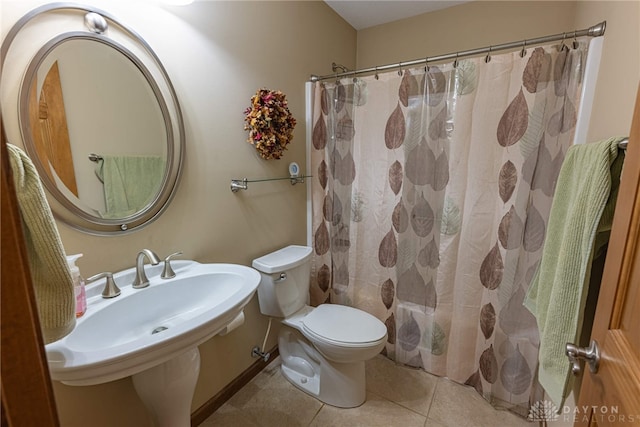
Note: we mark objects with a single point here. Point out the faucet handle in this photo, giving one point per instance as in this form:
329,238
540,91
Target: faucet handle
110,290
167,272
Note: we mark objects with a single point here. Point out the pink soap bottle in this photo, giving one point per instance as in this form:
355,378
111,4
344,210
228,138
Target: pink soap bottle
78,285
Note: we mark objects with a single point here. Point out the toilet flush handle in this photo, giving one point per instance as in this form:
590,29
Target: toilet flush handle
280,277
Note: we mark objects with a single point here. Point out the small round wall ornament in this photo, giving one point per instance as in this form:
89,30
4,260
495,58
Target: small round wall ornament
270,123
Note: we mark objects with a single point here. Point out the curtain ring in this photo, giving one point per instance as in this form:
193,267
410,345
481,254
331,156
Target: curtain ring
426,64
455,61
376,75
523,52
487,58
575,41
400,69
562,45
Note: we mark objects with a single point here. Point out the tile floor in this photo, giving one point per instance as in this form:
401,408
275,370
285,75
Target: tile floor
396,396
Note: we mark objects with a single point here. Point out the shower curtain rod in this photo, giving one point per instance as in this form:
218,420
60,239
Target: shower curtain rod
593,31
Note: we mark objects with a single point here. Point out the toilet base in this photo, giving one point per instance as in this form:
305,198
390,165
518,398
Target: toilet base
336,384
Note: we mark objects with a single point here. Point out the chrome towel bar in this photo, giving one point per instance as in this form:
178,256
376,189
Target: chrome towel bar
243,184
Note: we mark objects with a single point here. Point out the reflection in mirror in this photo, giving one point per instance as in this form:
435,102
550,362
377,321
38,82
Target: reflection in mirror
94,100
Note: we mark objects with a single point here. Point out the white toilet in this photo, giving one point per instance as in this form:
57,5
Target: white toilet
323,349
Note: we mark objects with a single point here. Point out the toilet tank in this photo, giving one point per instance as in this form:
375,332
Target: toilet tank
284,284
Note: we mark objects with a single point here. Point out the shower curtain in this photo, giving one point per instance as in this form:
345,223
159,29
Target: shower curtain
431,193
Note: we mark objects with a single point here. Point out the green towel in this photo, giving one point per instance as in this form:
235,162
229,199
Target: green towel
130,182
47,262
579,226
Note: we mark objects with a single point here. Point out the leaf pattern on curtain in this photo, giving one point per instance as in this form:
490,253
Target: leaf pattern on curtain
430,209
507,180
400,217
440,173
515,373
395,176
534,230
541,171
422,217
538,70
322,175
395,130
563,120
343,168
510,230
408,88
451,218
322,239
324,277
340,239
420,164
387,292
331,214
513,123
409,335
388,251
319,138
489,365
413,288
429,256
515,319
487,320
390,323
466,78
492,268
434,339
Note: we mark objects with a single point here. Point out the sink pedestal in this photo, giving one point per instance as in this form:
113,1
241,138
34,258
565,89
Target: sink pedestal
167,389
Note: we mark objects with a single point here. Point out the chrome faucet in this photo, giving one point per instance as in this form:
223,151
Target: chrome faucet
141,280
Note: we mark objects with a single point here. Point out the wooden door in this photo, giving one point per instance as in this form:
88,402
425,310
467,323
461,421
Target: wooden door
611,397
25,387
50,131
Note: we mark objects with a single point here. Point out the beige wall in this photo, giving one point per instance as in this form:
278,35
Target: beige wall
467,26
620,66
217,54
483,23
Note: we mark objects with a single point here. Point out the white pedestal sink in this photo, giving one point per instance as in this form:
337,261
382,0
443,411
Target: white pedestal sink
152,334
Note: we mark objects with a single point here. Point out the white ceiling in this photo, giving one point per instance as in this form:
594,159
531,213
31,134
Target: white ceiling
367,13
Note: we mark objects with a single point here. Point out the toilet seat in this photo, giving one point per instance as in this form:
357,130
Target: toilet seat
343,326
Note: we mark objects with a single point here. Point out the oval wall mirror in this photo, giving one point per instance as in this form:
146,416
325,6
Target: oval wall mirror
102,125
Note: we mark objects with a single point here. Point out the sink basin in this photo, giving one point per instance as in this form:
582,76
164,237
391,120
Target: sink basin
143,328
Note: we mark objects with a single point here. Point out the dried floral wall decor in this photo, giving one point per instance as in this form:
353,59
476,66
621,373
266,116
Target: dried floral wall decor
270,123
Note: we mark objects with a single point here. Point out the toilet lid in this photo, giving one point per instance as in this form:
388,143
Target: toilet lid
344,324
